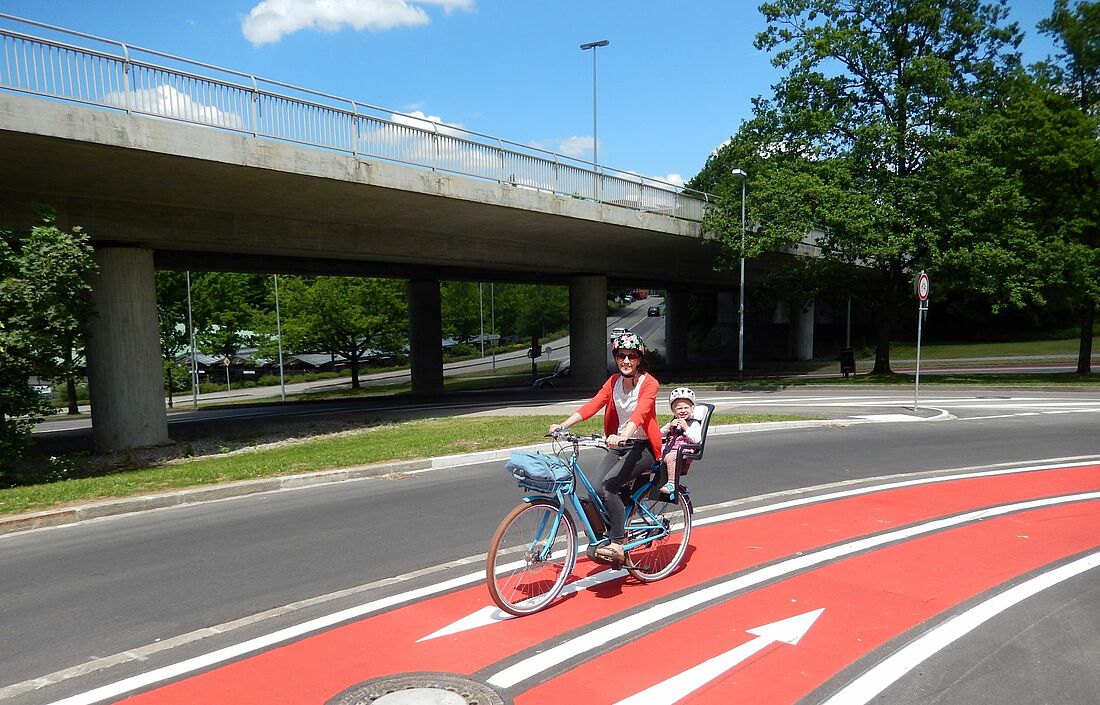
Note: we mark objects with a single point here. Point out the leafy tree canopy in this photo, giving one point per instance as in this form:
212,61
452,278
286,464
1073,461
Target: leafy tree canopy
44,306
872,91
344,315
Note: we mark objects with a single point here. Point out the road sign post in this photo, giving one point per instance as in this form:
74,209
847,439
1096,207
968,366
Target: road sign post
922,288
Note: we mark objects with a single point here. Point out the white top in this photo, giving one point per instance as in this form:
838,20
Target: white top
694,430
625,404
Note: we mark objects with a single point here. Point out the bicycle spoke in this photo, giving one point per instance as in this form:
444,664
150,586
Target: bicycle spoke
530,557
667,525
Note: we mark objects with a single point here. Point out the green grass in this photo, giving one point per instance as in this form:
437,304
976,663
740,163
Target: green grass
1066,347
411,440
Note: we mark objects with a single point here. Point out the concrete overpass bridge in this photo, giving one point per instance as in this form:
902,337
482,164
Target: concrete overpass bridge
168,163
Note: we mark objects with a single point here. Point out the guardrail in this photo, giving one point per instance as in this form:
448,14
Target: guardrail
104,73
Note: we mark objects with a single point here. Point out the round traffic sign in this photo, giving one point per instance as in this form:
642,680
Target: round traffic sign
922,286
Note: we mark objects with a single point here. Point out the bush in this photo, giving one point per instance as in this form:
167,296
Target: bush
47,470
462,350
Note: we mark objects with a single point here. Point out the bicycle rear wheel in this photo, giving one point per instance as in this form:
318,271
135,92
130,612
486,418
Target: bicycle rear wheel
530,557
658,558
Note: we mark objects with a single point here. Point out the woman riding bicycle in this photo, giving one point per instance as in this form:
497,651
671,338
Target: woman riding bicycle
628,400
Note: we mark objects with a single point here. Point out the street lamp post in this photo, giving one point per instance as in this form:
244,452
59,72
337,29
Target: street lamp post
279,337
595,152
741,296
191,336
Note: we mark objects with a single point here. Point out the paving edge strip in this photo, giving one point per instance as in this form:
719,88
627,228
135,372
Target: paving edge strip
70,515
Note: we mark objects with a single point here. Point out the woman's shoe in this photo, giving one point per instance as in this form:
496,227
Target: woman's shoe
668,489
612,552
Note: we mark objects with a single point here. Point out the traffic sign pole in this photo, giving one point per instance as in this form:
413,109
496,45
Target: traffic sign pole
923,288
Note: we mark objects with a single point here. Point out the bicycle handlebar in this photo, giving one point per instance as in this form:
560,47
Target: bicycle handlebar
593,440
567,436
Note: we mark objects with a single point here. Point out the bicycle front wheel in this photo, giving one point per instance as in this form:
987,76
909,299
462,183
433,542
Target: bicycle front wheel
657,559
531,556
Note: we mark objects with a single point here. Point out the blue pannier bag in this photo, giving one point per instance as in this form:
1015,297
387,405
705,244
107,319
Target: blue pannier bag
538,471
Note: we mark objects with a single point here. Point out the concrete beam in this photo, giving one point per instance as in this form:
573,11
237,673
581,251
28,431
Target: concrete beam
195,190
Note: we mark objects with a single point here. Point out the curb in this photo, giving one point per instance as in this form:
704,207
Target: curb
114,507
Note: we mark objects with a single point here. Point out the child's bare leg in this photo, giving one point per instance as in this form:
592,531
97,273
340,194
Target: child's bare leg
670,463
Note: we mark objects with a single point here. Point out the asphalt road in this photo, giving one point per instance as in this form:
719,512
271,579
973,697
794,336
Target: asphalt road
128,584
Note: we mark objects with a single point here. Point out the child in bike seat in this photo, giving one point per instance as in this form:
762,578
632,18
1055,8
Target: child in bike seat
683,428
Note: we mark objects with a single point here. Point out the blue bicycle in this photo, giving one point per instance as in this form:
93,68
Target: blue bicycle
534,550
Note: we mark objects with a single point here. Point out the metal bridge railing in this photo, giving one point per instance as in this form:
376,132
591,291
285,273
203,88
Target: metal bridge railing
107,74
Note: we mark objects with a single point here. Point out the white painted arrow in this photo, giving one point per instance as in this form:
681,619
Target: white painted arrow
788,631
493,614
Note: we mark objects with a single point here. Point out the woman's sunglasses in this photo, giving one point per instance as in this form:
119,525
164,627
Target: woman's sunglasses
627,356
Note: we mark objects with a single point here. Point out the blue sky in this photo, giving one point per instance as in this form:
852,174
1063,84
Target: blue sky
675,82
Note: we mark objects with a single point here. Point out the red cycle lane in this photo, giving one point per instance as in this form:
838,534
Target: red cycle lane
867,600
313,669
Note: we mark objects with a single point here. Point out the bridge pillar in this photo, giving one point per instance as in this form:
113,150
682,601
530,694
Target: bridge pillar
125,376
588,330
676,326
722,338
425,337
802,331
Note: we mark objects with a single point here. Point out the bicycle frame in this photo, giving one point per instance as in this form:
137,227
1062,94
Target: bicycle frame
567,496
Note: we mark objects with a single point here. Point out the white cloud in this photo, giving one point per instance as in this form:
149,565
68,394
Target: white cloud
668,182
271,20
167,101
578,147
674,179
430,123
575,147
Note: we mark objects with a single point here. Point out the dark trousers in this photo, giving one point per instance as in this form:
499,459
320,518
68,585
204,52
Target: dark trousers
616,471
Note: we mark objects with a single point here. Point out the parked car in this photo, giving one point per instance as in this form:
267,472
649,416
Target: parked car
616,332
653,311
559,378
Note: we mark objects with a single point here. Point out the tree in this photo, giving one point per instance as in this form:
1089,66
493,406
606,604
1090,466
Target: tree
872,89
222,310
45,305
461,310
347,316
1075,72
545,308
1013,197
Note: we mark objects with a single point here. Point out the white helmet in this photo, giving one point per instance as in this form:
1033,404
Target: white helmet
681,393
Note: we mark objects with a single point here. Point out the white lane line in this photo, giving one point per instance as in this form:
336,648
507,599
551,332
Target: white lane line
596,638
367,608
871,489
787,631
888,671
191,665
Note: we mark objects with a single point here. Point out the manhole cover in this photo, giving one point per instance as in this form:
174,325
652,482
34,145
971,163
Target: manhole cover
419,689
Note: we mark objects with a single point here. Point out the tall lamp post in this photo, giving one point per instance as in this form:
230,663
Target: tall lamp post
595,153
741,296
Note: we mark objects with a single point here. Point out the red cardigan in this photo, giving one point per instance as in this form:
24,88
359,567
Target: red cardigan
644,416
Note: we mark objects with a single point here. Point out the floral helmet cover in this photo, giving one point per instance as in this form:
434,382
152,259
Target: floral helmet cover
628,341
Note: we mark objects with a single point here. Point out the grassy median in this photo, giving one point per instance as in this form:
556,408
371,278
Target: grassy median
407,440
